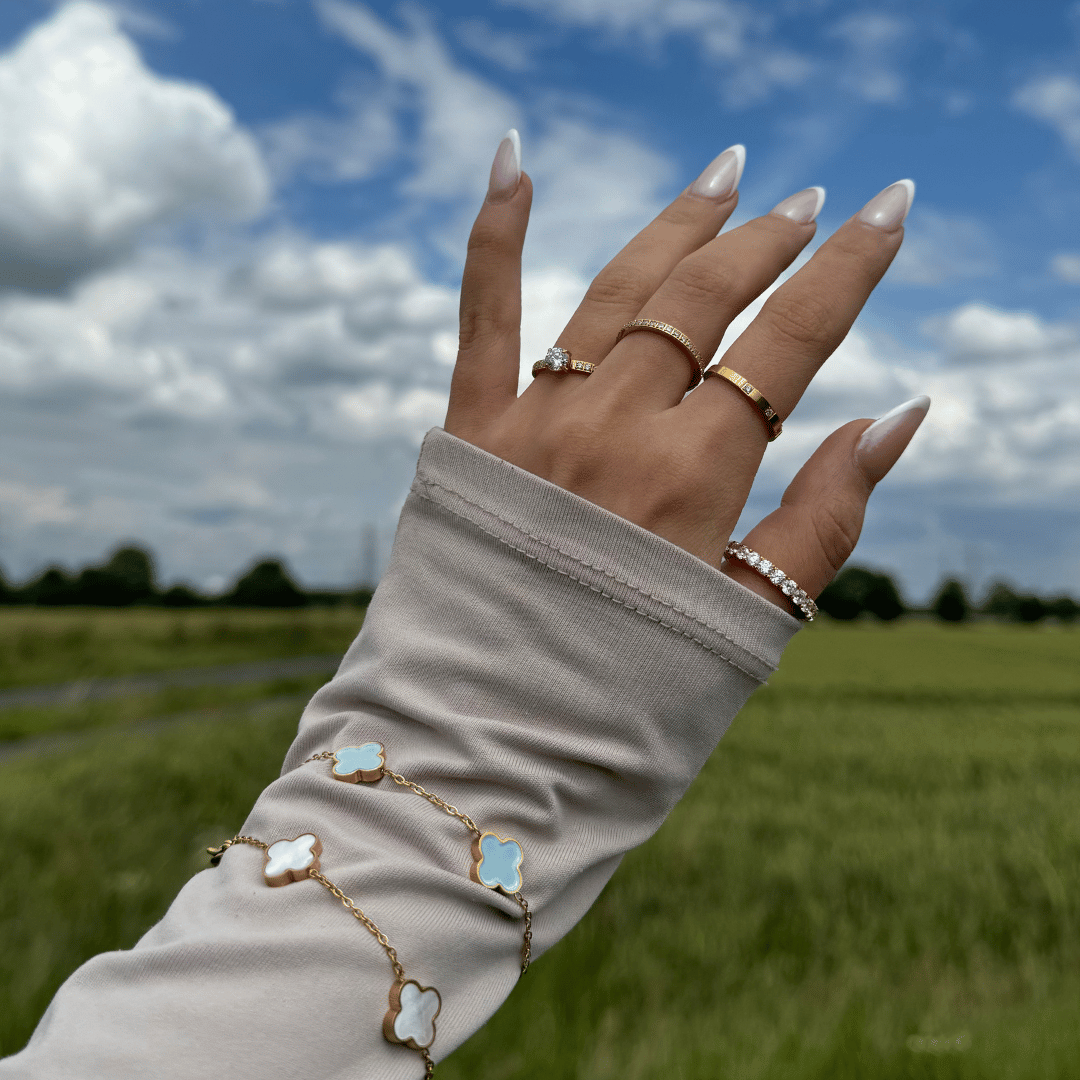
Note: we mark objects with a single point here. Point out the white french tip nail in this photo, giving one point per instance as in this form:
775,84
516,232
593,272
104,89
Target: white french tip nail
888,209
881,444
506,168
722,175
802,207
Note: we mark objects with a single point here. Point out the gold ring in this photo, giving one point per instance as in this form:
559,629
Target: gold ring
560,360
677,336
752,393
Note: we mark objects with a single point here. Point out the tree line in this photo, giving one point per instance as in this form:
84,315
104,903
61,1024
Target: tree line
128,577
858,592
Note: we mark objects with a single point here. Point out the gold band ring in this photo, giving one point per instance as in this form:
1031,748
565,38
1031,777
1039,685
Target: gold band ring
677,336
752,394
560,360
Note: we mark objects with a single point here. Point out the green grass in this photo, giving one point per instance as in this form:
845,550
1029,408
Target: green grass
38,645
884,850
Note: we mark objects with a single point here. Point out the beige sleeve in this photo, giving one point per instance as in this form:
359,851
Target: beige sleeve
555,672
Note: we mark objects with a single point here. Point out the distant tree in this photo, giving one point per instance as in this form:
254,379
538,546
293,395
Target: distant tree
7,593
1001,601
180,596
127,578
52,589
267,584
951,603
856,590
1064,608
1031,609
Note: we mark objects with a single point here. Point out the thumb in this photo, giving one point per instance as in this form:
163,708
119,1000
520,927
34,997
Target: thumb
821,514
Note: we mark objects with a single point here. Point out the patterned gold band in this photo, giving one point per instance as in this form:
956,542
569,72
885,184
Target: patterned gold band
752,393
676,335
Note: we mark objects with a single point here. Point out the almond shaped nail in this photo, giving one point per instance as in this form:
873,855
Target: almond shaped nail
881,444
888,209
722,175
802,207
506,168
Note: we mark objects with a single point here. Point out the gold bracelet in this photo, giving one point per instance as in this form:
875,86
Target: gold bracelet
410,1020
496,860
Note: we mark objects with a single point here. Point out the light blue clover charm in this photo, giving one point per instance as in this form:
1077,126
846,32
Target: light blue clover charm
359,764
497,863
411,1019
291,860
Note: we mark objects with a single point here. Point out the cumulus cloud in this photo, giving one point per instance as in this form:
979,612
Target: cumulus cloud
1054,99
95,150
871,71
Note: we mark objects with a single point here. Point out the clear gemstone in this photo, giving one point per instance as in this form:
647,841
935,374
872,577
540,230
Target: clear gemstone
558,358
776,576
764,565
754,560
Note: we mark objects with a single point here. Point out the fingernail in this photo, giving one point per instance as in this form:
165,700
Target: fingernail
722,175
802,207
888,208
506,168
881,444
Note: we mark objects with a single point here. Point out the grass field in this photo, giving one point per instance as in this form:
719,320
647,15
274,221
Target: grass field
876,876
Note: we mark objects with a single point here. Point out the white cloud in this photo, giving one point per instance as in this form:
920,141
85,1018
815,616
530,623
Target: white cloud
871,71
1054,99
939,247
95,150
512,52
980,332
1066,267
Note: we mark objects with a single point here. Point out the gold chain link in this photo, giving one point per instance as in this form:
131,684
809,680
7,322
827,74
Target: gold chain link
326,755
526,945
453,811
429,1065
375,932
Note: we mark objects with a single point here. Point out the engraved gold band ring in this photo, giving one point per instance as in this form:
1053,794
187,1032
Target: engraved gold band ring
752,394
676,335
560,360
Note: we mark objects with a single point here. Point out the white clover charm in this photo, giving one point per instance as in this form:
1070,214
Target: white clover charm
411,1019
497,863
291,860
359,764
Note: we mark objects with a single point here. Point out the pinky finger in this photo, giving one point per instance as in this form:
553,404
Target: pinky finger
820,517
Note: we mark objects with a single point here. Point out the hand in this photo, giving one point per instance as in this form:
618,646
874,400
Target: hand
627,437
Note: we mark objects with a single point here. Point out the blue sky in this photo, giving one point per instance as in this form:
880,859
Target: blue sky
231,233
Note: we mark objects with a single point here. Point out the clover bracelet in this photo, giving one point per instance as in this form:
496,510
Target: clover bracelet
410,1020
496,861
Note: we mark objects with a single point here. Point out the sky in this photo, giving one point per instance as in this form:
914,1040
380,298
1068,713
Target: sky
232,232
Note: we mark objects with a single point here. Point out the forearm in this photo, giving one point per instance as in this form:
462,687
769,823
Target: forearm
555,672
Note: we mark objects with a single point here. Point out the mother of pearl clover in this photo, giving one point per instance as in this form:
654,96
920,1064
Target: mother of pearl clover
359,764
497,863
291,860
411,1019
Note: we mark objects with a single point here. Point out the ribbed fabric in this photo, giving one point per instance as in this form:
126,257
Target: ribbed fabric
556,672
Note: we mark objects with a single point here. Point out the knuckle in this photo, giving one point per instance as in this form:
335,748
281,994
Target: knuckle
703,281
618,284
487,241
480,326
805,320
836,532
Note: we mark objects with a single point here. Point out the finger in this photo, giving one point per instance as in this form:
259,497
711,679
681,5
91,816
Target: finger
489,340
704,292
820,517
619,290
804,321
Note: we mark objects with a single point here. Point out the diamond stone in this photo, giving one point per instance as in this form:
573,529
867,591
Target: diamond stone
559,359
764,566
754,560
788,587
776,576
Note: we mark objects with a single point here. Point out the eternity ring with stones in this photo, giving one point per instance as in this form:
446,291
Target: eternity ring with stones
775,575
657,327
560,360
753,395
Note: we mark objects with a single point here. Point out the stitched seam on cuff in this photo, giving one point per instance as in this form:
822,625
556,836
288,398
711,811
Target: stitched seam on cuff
586,566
